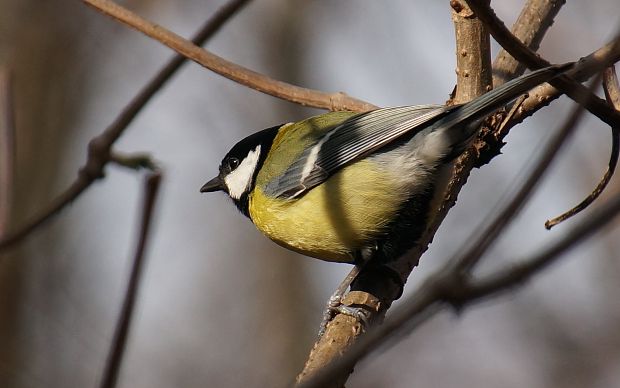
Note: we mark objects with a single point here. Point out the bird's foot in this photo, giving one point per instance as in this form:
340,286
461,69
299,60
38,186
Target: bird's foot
356,304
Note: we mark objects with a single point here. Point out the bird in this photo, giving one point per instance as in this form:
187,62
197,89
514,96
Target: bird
357,187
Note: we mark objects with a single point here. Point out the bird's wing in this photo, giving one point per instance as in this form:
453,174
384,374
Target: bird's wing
355,138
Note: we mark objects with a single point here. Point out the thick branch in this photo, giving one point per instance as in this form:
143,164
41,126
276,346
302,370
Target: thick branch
435,295
473,54
474,79
452,284
100,146
230,70
531,26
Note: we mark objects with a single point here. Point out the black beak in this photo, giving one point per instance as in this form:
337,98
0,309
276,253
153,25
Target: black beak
214,184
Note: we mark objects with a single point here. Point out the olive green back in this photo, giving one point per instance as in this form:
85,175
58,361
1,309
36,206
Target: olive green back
292,139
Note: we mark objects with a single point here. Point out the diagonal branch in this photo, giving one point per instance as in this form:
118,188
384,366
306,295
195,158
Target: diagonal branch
230,70
443,289
117,349
372,290
452,284
99,147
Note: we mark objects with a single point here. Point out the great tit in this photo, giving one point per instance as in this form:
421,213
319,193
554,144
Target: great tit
350,187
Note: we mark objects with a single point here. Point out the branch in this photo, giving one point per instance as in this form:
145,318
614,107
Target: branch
100,146
531,26
584,69
117,350
373,291
7,148
436,294
612,94
452,284
473,54
523,54
230,70
490,233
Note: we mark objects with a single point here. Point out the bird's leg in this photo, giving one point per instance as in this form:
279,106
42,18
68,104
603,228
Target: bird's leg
334,304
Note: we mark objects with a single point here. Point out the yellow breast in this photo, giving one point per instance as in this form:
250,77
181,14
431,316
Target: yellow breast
335,219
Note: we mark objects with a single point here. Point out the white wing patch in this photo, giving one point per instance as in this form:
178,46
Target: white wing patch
314,155
239,180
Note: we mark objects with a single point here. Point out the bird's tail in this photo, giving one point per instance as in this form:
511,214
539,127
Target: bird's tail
482,106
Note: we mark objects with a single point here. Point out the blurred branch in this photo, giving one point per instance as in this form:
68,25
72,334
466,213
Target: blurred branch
531,26
117,349
99,147
523,54
7,148
230,70
136,161
612,94
473,79
453,285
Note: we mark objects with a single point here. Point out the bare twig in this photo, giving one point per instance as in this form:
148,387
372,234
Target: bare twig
452,285
474,79
99,147
117,349
522,53
612,93
531,26
230,70
7,148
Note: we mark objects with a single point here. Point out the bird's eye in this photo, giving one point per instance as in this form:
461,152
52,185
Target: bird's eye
233,163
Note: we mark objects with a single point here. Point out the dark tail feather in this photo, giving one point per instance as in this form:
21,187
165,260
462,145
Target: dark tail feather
482,106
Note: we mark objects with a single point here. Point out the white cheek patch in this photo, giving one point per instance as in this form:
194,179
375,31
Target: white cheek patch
238,181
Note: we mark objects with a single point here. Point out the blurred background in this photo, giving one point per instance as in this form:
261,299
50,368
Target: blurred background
222,306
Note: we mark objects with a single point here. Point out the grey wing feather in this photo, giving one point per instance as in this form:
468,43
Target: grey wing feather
355,138
365,133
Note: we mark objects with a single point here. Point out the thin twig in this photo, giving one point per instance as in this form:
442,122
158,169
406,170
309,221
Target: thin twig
230,70
612,94
530,28
99,147
7,148
117,349
523,54
452,284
